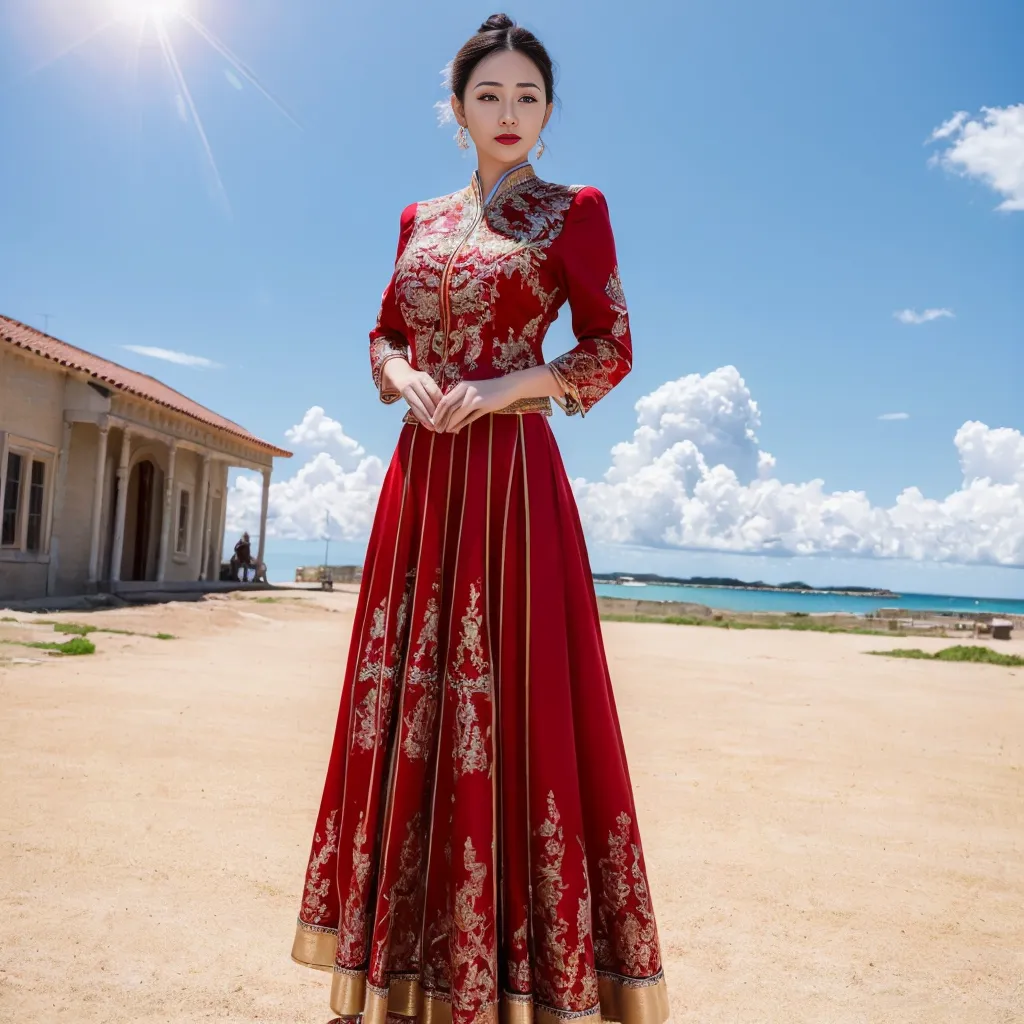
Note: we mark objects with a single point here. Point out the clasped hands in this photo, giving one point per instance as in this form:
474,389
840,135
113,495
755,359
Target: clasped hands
448,413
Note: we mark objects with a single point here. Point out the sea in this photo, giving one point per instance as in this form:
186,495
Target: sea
736,600
282,563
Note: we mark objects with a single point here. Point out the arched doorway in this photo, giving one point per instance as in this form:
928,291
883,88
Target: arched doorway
143,520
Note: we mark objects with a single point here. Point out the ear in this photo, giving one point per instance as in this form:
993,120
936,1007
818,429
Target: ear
458,110
547,116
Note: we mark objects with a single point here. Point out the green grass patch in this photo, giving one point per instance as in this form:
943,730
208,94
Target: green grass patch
164,636
799,625
83,630
76,645
73,627
961,652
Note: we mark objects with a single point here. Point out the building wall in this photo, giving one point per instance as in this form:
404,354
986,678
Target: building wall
31,409
72,530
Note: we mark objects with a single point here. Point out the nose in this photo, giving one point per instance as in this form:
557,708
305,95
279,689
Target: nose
508,118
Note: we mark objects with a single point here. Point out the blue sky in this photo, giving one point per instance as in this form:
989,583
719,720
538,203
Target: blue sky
768,168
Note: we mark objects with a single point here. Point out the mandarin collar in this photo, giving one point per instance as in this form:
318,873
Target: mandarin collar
509,180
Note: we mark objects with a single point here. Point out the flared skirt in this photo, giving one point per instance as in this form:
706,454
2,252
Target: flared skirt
476,855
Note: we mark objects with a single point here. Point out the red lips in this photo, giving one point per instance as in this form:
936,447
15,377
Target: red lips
507,140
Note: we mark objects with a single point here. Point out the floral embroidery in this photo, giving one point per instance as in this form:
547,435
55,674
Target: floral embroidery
422,676
520,351
379,675
613,289
520,978
593,368
471,953
313,905
564,969
470,676
628,942
352,926
397,949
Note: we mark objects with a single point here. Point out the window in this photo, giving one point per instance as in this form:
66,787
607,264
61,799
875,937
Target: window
181,546
36,493
26,494
9,534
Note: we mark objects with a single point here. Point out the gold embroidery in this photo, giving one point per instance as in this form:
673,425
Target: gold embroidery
471,951
468,681
316,887
464,252
352,926
398,952
592,373
422,675
628,942
562,968
613,289
379,675
519,976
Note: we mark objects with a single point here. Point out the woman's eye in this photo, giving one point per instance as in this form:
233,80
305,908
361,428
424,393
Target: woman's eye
487,96
527,99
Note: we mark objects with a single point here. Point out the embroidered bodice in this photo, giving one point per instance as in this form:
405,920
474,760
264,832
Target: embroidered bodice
478,283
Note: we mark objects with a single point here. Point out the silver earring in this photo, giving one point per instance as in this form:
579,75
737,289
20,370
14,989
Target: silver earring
462,137
540,147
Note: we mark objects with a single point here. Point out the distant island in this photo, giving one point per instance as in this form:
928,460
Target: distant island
726,582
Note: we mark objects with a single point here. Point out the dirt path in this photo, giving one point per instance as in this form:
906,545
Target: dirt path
831,837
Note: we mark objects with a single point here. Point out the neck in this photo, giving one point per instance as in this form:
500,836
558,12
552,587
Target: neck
491,171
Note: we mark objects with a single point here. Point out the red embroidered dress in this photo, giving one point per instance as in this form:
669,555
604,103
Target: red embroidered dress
476,852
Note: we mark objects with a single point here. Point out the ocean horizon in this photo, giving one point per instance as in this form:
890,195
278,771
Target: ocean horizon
281,566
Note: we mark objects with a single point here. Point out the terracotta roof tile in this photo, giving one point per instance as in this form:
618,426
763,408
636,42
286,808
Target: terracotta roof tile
115,376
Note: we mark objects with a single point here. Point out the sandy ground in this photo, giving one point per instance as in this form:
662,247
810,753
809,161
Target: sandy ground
831,837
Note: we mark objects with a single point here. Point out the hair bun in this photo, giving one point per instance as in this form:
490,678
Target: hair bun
497,23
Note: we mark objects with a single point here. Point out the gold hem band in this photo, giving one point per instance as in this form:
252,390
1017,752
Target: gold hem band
639,1001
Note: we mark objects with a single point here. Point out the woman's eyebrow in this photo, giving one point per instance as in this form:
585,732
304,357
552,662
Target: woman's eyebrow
519,85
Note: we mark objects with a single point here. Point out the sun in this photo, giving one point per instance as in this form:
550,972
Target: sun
158,10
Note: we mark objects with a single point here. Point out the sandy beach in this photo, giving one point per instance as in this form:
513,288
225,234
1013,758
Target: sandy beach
831,837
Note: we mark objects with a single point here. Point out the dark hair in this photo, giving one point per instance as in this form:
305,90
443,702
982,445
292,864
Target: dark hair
500,32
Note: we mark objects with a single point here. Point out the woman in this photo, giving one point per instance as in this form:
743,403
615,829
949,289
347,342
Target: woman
476,854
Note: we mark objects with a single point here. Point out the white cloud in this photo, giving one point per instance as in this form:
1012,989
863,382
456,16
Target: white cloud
989,148
170,356
340,479
911,316
895,416
693,476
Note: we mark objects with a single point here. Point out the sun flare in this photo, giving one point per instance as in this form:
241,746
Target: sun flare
158,10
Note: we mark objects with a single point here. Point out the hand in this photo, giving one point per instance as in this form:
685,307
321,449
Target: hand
418,388
471,399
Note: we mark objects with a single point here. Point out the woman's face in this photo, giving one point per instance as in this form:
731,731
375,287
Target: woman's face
505,107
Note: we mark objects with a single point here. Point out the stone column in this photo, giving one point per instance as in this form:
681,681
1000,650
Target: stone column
122,504
97,506
263,514
202,513
169,526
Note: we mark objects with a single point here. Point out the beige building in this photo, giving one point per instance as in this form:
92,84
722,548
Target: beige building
109,479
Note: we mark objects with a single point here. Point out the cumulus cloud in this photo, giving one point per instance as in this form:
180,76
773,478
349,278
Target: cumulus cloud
911,316
339,480
989,148
694,476
170,356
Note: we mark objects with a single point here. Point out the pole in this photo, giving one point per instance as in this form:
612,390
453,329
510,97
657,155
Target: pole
327,537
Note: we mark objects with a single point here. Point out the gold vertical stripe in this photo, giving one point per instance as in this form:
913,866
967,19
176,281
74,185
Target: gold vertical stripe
501,631
441,670
387,614
526,744
397,742
357,638
495,745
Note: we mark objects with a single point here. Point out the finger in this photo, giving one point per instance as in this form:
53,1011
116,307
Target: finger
432,388
471,418
426,399
419,411
468,406
447,405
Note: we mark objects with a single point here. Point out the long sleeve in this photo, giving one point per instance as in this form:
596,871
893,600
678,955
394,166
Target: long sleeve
590,277
388,338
